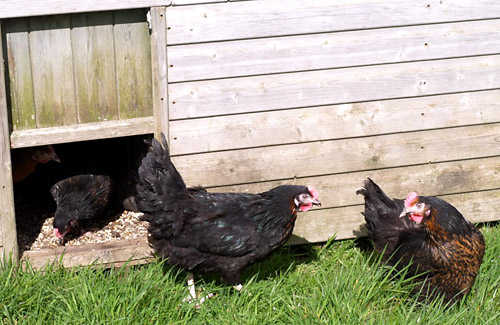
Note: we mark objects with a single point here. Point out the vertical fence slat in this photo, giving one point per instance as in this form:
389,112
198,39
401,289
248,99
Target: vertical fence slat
20,77
52,64
159,69
8,236
95,77
133,64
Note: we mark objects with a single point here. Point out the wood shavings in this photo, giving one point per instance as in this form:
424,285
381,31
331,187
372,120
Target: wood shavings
127,226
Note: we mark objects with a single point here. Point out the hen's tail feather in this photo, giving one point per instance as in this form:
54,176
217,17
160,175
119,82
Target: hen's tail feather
159,183
381,213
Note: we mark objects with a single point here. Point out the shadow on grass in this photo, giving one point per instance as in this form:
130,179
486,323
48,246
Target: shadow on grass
283,260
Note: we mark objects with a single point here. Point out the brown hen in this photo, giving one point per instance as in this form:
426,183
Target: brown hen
428,235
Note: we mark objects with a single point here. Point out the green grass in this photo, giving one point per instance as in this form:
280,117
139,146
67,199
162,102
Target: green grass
338,283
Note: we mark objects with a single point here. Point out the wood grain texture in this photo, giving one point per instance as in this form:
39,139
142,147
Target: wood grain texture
338,156
133,62
333,122
194,2
22,100
94,59
322,51
52,67
250,19
8,235
347,222
326,87
117,253
159,70
16,8
338,190
82,132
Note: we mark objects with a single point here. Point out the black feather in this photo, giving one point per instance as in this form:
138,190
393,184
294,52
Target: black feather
445,246
81,197
202,231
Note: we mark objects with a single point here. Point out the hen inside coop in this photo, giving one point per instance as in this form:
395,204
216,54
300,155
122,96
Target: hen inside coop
92,183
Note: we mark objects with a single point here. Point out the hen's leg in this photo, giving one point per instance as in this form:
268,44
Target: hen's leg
193,296
192,290
238,287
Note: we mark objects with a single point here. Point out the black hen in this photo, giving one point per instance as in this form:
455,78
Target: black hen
80,198
221,232
429,235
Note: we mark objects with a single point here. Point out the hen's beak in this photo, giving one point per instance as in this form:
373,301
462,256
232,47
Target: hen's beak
316,202
410,209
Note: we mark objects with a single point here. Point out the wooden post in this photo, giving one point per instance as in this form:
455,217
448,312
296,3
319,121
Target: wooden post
8,234
159,69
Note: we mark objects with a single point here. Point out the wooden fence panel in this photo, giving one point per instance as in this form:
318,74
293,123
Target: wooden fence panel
325,87
8,235
131,35
22,101
339,156
441,178
252,19
50,45
95,75
69,69
333,122
329,50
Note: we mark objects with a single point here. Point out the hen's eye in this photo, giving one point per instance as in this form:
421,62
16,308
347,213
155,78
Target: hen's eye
420,206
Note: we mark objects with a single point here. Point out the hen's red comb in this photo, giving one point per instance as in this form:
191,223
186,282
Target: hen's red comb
313,192
411,199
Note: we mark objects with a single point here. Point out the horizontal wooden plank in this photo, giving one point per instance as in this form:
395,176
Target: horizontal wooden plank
320,225
432,179
16,8
194,2
339,156
326,87
350,120
249,19
82,132
112,253
322,51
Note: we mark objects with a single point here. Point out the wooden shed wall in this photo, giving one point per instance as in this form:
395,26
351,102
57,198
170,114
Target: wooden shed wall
78,68
327,93
254,94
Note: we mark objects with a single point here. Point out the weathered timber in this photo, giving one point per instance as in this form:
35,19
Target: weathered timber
159,70
117,253
333,122
16,8
8,236
251,19
133,62
339,156
50,46
22,101
430,179
326,87
82,132
95,75
328,50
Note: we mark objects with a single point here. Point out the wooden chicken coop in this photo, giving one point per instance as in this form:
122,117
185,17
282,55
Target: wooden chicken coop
253,94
